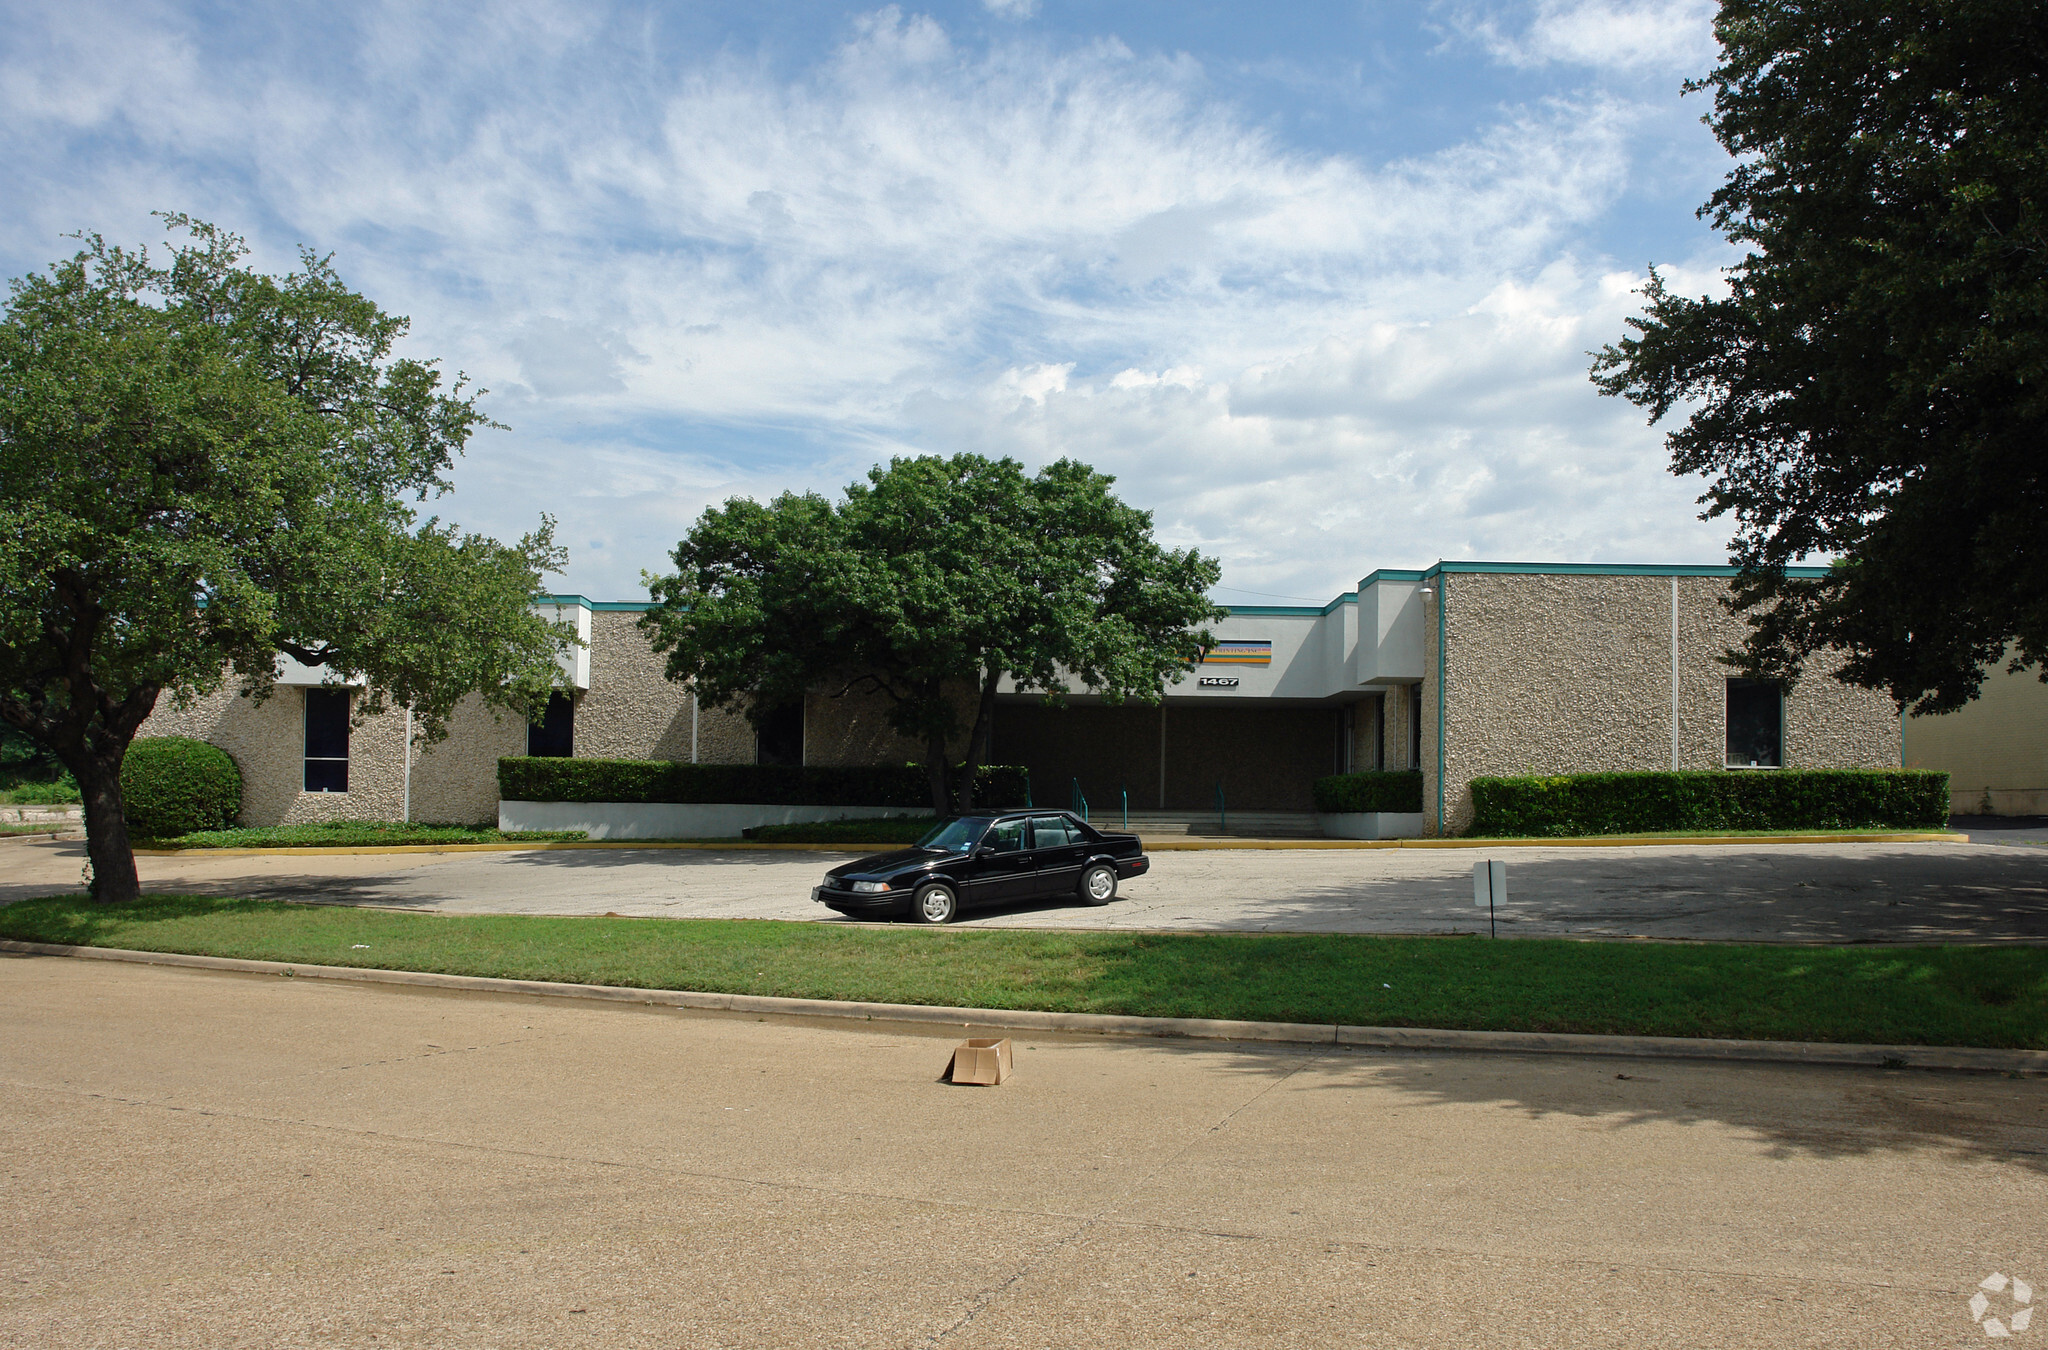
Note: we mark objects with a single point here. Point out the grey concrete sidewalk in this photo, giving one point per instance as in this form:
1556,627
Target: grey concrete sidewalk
1780,892
206,1160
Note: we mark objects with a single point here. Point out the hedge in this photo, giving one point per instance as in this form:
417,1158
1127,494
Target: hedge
1399,790
555,779
1777,799
172,785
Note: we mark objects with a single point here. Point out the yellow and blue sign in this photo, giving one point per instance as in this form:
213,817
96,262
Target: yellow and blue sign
1239,652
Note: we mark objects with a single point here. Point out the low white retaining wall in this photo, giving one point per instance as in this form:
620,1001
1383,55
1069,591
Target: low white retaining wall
1370,824
675,820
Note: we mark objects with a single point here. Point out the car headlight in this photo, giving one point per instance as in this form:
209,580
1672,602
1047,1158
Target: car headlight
870,887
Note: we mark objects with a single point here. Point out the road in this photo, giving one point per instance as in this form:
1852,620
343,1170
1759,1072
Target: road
1780,892
196,1159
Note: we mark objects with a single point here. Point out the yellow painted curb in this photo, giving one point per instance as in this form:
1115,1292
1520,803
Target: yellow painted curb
1173,844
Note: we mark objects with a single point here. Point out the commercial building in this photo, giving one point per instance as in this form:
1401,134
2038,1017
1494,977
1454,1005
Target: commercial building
1461,670
1994,749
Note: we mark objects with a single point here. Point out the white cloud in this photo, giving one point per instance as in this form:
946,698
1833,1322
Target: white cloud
1647,36
689,278
1011,9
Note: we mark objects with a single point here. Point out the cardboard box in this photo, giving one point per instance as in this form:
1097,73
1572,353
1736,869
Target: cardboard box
981,1063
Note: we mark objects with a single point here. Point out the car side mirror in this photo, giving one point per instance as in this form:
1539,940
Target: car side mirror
985,851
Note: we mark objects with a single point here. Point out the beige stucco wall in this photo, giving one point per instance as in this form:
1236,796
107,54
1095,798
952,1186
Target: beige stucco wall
1559,673
853,728
1994,748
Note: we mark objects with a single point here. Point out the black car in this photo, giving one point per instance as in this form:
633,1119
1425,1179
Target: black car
989,858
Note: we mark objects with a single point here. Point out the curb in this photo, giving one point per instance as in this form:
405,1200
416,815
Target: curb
1968,1058
1169,844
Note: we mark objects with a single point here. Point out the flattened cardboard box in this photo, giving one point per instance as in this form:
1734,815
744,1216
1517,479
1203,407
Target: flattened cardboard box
980,1063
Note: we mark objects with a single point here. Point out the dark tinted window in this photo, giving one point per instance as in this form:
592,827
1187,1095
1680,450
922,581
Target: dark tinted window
554,736
327,740
1051,832
1756,724
1006,836
779,737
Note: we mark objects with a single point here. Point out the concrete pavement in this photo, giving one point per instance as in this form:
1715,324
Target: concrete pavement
1776,892
208,1160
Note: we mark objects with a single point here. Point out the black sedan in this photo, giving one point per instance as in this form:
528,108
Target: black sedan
991,858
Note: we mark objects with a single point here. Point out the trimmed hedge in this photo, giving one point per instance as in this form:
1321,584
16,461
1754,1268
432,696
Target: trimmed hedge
551,779
1777,799
1399,790
174,785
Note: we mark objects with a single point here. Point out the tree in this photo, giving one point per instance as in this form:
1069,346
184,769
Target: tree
201,467
931,582
1874,383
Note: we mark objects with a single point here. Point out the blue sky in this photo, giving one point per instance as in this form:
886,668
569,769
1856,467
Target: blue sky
1316,282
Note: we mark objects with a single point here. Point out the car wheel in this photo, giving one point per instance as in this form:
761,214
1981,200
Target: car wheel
1098,885
935,904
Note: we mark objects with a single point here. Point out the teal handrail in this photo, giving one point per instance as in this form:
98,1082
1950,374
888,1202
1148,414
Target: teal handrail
1222,815
1079,803
1127,808
1028,803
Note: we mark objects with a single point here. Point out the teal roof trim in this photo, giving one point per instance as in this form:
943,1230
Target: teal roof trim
587,603
1391,574
1609,569
1292,611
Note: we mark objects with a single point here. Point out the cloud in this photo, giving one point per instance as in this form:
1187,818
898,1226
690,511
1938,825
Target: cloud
688,273
1011,9
1647,36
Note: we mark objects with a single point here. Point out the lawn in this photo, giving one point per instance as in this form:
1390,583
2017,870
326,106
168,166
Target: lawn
334,834
1983,996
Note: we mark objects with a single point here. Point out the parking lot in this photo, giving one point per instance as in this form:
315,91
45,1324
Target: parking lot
199,1159
1924,892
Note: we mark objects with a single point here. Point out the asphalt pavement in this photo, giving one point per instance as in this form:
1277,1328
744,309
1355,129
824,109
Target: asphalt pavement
1949,892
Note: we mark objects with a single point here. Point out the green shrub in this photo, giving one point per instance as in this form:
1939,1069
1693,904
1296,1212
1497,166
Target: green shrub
1398,790
63,792
175,785
548,779
1777,799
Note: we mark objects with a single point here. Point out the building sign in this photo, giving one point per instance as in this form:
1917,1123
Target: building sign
1216,681
1239,652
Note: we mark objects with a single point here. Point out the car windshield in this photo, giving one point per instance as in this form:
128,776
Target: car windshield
955,836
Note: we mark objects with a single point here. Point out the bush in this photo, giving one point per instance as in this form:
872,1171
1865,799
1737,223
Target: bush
1778,799
63,792
175,785
532,779
1399,790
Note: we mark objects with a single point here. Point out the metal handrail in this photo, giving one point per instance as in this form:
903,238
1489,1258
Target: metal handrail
1127,808
1222,815
1080,802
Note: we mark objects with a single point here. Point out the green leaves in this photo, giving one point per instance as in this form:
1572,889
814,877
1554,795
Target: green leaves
1874,383
201,466
928,584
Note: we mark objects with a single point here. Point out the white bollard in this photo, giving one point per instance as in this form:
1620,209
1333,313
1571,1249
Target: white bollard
1489,888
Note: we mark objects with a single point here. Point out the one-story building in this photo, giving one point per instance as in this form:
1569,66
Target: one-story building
1460,670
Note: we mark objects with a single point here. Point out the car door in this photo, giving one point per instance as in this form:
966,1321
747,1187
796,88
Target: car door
1058,848
1002,865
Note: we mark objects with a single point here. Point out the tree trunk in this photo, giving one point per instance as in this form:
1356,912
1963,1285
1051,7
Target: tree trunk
977,741
106,829
935,769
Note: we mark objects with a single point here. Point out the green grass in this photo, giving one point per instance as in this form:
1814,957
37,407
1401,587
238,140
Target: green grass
31,829
888,830
354,833
1986,996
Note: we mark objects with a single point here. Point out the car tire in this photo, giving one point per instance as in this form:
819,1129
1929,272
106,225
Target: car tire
1098,884
935,904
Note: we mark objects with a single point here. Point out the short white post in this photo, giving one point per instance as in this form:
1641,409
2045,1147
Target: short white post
1490,889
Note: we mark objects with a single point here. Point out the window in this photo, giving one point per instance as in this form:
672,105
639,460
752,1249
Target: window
779,735
1756,724
327,740
1006,837
1414,726
1051,832
554,736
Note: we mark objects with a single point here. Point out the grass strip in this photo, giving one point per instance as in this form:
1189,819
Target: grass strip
1974,996
356,833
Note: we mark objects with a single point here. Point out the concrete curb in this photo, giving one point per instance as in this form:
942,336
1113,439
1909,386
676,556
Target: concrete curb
1164,845
1098,1024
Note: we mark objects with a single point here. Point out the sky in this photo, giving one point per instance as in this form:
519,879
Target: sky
1316,282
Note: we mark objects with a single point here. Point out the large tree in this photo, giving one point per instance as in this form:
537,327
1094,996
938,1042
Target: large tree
927,585
1873,384
201,467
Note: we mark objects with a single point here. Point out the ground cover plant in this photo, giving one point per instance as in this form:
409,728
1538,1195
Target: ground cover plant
893,830
63,792
352,833
1985,996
